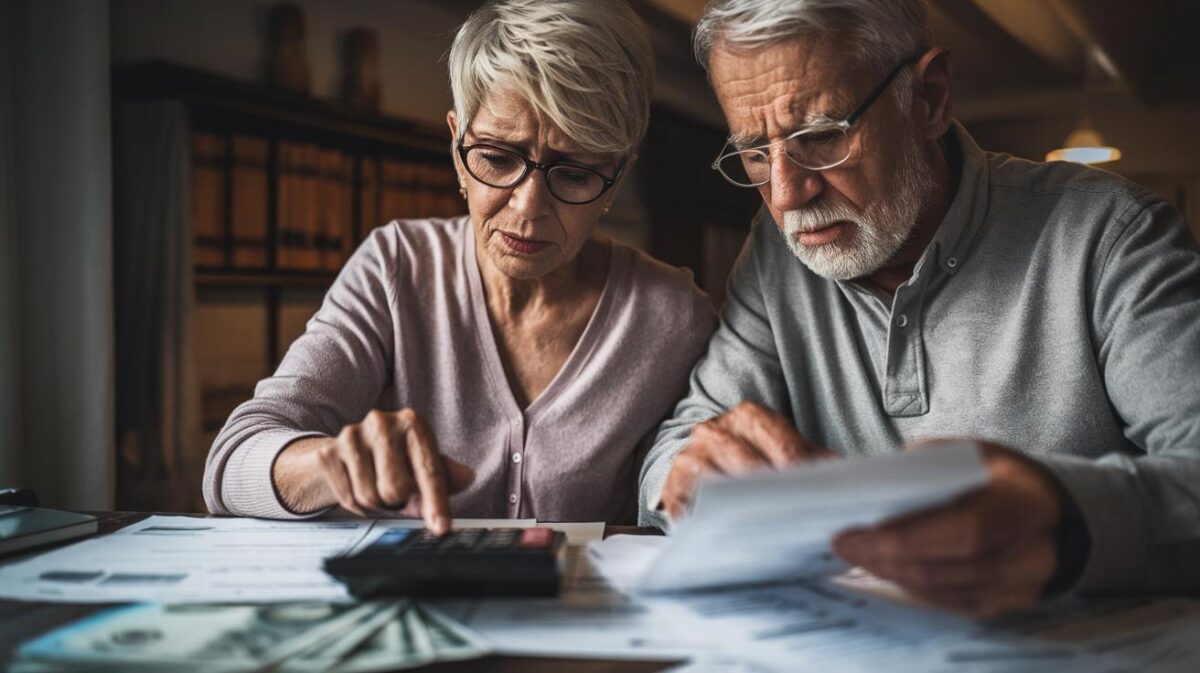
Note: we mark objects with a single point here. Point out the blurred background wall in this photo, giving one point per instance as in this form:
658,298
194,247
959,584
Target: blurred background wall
56,329
227,152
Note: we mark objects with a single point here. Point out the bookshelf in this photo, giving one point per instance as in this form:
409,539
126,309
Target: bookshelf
283,189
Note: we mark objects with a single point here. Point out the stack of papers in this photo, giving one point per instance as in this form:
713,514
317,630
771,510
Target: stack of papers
287,637
179,559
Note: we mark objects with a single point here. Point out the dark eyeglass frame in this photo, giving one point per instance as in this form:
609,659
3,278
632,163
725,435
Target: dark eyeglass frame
843,125
545,168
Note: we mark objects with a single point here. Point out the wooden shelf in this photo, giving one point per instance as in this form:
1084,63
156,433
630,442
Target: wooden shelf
252,278
221,103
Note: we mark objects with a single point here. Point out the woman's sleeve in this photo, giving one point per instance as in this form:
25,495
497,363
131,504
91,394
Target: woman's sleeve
331,376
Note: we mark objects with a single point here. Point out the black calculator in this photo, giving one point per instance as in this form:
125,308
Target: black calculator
465,562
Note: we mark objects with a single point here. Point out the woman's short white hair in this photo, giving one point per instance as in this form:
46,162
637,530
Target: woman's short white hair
585,65
874,33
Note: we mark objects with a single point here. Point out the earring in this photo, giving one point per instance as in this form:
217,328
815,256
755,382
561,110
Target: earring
462,190
606,207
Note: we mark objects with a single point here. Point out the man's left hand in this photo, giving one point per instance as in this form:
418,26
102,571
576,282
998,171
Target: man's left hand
986,554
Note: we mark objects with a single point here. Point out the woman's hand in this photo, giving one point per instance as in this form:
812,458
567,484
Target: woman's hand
389,461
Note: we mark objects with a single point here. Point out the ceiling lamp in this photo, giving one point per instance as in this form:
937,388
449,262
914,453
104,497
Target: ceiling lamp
1084,146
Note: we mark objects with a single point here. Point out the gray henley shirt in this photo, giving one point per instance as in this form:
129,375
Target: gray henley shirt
1056,311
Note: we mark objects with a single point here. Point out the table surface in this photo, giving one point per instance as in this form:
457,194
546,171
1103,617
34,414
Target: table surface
20,621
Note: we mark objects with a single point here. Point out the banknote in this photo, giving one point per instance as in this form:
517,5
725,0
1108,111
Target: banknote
370,637
327,653
449,639
192,637
401,643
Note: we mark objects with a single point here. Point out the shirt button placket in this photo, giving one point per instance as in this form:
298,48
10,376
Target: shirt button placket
516,447
905,393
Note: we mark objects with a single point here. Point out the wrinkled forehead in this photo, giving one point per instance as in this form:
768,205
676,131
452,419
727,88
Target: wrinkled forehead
506,115
769,91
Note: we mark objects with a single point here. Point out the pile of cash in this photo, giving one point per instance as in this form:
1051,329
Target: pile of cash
285,637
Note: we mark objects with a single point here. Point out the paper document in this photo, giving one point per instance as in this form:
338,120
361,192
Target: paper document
588,619
182,559
776,526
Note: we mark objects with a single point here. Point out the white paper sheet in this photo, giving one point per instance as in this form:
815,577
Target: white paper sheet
821,626
578,533
845,623
589,620
776,526
178,559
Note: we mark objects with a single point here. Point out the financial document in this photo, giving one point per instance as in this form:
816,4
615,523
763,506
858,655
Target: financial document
180,559
777,526
851,622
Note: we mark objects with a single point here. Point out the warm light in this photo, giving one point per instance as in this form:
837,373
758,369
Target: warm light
1085,146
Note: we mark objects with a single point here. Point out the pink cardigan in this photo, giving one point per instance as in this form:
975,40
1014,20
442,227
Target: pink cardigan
406,325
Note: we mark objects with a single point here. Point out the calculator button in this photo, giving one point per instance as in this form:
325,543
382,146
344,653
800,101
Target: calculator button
460,540
536,537
500,539
393,537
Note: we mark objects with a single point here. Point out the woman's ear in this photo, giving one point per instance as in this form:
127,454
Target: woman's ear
452,122
626,169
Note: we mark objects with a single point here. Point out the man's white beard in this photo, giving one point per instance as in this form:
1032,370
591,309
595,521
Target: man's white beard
879,232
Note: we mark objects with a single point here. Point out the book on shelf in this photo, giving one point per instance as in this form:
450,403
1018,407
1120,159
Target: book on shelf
208,199
369,197
450,202
250,190
318,209
396,185
285,186
337,224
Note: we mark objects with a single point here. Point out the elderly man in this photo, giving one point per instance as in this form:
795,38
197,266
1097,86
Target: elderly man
901,285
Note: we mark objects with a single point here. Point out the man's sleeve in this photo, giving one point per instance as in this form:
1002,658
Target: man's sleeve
331,376
741,364
1143,512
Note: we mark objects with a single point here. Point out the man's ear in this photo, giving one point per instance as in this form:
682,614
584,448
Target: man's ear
933,93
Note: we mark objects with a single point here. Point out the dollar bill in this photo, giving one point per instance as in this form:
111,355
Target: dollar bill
191,637
370,637
326,654
450,640
401,643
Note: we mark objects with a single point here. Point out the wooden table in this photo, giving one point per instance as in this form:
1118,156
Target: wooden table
23,621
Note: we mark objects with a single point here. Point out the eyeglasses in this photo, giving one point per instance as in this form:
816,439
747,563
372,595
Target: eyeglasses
816,147
504,169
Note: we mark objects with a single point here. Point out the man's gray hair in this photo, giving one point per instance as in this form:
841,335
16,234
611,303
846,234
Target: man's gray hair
875,33
585,66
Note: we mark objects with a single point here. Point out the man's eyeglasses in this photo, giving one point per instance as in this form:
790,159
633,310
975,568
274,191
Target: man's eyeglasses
504,169
815,147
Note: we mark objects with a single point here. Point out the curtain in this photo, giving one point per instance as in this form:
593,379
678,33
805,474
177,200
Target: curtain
160,464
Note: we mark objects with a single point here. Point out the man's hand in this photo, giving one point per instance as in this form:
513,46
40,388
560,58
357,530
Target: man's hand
746,438
388,461
989,553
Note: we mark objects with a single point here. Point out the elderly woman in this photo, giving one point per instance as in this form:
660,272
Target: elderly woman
508,363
